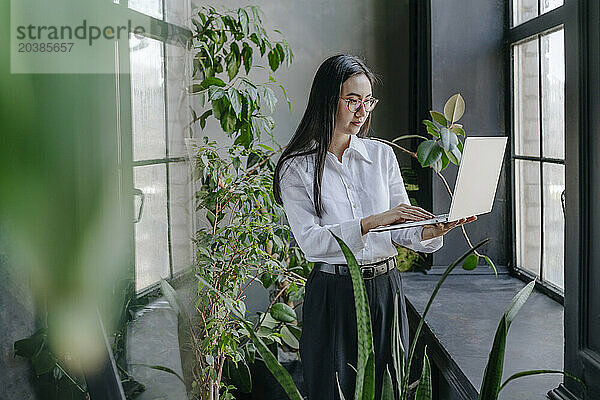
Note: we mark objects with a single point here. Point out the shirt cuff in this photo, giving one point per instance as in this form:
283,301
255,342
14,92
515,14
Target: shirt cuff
352,235
428,245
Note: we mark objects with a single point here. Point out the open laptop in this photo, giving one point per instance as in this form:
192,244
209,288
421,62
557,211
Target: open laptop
476,182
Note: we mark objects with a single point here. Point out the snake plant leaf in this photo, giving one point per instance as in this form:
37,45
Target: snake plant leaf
159,368
491,264
387,389
540,372
447,272
337,379
454,108
365,375
398,352
240,375
490,386
424,391
174,301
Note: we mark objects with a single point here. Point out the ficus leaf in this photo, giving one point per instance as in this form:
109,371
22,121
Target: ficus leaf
454,108
282,312
428,152
274,61
439,118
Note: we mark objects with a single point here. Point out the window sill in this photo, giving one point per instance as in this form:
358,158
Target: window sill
462,322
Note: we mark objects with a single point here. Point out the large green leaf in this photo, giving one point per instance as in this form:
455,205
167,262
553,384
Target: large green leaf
454,108
424,388
365,375
282,312
490,386
429,152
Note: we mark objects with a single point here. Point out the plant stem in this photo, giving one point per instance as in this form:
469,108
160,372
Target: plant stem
447,272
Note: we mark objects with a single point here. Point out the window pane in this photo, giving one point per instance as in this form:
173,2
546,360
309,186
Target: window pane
180,203
553,95
554,223
178,101
548,5
526,98
177,11
524,10
151,240
528,215
152,8
147,98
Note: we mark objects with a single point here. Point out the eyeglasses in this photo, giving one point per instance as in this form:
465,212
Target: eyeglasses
354,105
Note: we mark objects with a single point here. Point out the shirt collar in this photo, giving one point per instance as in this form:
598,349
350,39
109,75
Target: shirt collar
358,145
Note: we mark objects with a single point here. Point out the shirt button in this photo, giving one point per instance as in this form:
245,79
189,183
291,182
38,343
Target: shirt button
354,205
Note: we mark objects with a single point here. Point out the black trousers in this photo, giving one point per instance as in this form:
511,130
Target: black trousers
329,339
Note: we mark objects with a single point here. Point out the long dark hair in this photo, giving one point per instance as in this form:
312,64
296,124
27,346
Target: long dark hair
319,119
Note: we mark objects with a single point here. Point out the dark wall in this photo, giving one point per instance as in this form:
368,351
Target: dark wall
467,58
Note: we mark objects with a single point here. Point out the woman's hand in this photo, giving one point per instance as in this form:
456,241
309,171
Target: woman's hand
441,228
397,215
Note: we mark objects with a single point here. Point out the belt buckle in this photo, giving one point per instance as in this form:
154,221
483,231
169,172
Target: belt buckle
370,274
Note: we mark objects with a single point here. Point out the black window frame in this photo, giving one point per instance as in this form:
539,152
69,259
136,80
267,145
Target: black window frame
548,22
167,33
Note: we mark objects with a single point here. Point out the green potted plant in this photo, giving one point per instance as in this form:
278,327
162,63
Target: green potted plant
242,239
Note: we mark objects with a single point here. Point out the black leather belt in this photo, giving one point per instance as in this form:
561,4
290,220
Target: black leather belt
369,271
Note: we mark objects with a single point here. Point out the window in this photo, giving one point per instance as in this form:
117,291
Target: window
538,143
524,10
161,176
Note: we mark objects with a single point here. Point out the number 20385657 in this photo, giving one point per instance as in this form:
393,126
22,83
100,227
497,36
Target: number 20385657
45,47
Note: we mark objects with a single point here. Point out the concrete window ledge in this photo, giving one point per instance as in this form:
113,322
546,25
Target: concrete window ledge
461,325
152,340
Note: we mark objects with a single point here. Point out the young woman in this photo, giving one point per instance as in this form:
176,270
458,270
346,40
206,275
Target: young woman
330,177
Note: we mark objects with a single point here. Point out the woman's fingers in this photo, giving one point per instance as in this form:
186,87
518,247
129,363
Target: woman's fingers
415,213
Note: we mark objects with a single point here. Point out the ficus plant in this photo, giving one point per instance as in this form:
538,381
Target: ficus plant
225,43
442,147
243,239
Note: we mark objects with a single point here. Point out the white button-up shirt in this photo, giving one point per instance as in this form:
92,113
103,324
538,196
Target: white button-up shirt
366,182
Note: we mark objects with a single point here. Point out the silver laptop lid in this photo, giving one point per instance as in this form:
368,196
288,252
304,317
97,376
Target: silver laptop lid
478,176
